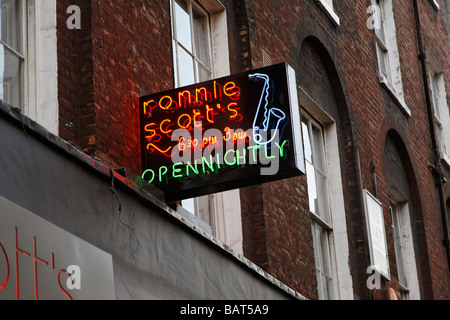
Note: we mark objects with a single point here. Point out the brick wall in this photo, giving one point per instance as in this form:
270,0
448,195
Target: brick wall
75,78
124,51
363,127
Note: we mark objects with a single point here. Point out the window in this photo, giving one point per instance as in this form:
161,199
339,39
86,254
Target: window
12,52
387,51
326,200
318,204
382,51
398,244
404,247
191,51
199,28
441,112
28,59
191,43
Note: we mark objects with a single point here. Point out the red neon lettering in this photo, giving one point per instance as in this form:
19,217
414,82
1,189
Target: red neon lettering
208,141
146,104
167,130
210,114
227,135
217,93
236,116
201,94
151,131
168,104
231,90
198,114
164,152
183,95
181,145
59,283
186,124
7,269
153,134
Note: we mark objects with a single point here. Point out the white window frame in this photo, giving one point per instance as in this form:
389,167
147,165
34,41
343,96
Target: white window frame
222,211
402,228
192,6
40,69
441,112
328,7
387,51
17,50
337,228
435,4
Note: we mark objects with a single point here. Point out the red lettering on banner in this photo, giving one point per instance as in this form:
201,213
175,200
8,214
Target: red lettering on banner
35,260
7,269
59,283
17,263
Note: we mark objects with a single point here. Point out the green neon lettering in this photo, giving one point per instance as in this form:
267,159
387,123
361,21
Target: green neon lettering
267,156
161,173
209,165
243,157
225,158
218,161
153,175
176,171
281,148
194,169
254,153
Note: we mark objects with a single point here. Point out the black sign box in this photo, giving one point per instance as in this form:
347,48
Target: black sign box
222,134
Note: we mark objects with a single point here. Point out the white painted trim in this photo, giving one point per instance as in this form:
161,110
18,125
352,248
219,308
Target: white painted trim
394,83
219,33
297,124
330,12
435,4
42,64
343,283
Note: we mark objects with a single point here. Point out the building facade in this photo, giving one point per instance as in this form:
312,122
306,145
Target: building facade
372,84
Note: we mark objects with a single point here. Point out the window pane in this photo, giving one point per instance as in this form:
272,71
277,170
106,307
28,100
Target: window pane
322,261
185,67
201,36
203,74
435,95
183,25
382,60
396,226
312,189
319,155
322,209
11,86
307,142
11,23
380,21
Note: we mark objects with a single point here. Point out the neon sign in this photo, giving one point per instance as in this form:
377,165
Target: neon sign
222,134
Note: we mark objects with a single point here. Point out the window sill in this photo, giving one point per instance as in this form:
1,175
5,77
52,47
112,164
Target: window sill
330,12
398,100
